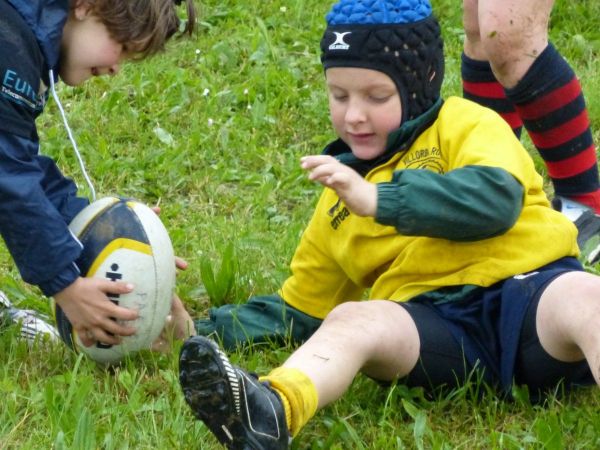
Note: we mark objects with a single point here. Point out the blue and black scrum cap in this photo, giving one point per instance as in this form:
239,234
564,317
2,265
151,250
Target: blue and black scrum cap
400,38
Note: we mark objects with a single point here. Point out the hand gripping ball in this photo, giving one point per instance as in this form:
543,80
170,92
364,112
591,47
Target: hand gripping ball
124,240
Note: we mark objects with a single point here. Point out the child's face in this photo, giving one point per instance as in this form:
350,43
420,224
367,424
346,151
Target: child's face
87,49
365,107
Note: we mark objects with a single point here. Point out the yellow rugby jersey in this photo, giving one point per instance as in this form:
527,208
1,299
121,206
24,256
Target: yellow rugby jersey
340,255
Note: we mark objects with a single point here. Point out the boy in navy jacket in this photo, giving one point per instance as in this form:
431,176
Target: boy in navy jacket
42,41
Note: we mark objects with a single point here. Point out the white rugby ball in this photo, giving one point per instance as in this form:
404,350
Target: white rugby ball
124,240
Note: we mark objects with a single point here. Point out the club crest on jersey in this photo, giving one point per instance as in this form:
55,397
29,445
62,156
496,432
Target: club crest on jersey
339,43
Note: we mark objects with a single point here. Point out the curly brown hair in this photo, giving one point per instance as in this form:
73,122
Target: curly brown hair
143,26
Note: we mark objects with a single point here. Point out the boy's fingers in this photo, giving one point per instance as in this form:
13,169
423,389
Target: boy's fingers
117,328
181,263
338,179
116,287
119,313
102,336
322,170
86,337
89,337
109,310
108,332
308,162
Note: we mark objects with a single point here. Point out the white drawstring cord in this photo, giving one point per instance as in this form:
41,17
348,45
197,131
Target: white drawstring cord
71,138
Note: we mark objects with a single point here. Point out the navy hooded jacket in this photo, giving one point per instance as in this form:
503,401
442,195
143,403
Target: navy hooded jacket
36,201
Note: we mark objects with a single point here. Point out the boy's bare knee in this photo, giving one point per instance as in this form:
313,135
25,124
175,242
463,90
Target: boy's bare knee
512,39
356,320
378,325
372,313
385,331
347,311
568,315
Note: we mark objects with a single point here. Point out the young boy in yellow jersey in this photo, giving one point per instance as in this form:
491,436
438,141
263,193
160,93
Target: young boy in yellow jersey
435,209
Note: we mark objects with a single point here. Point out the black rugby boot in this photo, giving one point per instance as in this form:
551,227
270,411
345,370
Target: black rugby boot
241,412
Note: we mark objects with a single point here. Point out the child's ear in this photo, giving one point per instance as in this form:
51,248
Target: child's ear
81,9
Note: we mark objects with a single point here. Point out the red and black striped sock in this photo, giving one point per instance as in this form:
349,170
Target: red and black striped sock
551,104
480,85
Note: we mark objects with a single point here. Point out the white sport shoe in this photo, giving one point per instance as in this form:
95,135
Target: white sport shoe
588,225
32,324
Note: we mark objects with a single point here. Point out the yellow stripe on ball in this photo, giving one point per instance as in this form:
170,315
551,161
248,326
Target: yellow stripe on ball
128,244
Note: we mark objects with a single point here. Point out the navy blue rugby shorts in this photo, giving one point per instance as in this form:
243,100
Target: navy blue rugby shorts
492,334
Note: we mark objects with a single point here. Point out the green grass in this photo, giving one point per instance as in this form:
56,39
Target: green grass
213,131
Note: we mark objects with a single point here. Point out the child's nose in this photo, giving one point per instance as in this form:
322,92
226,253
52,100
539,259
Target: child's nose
355,112
114,69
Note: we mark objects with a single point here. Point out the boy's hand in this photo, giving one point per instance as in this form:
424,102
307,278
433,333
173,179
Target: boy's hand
359,195
179,325
92,314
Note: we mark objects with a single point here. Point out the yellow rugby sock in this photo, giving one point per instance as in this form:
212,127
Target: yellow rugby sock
298,395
